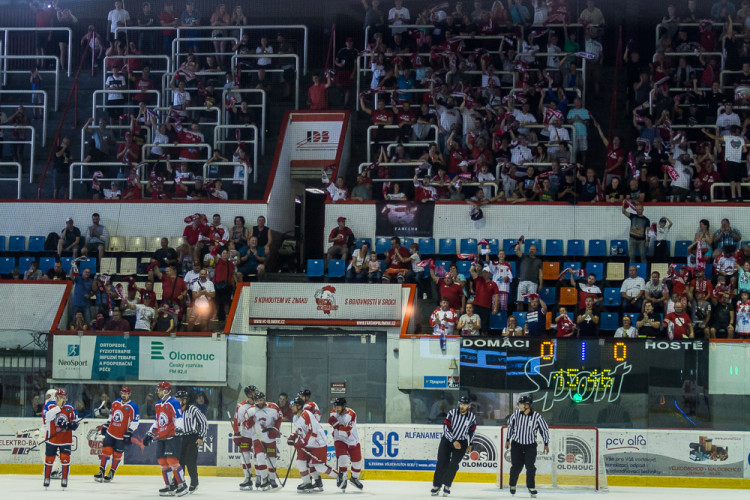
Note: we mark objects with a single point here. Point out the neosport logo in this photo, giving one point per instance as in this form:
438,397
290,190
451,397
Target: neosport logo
483,453
74,350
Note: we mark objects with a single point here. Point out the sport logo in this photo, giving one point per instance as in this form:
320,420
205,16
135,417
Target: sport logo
74,349
156,350
576,454
483,454
325,299
318,140
95,439
18,444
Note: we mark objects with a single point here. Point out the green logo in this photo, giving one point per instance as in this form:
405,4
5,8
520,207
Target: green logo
157,349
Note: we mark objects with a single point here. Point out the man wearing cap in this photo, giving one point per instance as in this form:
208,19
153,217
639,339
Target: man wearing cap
486,294
70,239
115,100
340,237
128,152
117,431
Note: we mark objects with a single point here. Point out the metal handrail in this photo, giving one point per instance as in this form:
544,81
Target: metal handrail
218,142
17,179
725,185
177,145
43,106
262,106
110,127
147,57
95,106
245,179
396,127
31,142
727,72
236,57
72,178
56,72
176,46
660,25
27,56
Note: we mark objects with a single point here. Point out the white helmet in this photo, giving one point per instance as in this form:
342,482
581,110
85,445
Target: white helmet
50,394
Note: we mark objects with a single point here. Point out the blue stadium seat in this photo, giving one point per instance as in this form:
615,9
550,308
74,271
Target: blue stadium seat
498,321
382,245
24,263
520,318
468,245
709,271
680,248
513,268
642,270
548,294
36,243
66,262
598,248
447,246
315,268
595,268
88,264
612,297
445,264
494,246
535,242
7,264
463,267
609,321
576,266
508,245
406,242
576,248
361,241
553,248
2,243
17,244
622,246
46,263
336,268
426,246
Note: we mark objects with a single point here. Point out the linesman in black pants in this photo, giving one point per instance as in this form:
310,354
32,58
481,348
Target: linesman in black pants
196,428
458,431
523,425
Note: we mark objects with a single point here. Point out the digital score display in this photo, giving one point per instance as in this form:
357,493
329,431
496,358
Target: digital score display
590,370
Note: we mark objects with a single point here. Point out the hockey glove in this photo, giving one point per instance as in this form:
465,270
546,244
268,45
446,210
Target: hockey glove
291,440
237,440
126,437
72,425
148,439
299,445
104,428
272,432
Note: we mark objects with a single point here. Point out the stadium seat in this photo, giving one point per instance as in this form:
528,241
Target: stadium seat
550,271
498,321
116,244
576,266
36,243
128,266
494,247
520,318
463,267
426,246
680,249
533,242
406,242
361,241
621,245
46,263
445,264
17,244
2,243
176,242
709,272
158,289
66,263
7,264
642,271
136,244
382,245
609,321
548,294
24,263
576,248
447,246
598,248
595,268
612,297
89,264
468,245
508,245
615,271
336,268
633,317
513,268
315,268
109,265
553,248
662,269
153,243
568,296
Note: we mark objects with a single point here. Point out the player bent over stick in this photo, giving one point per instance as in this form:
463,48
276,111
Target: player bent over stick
523,425
265,420
60,422
166,429
346,443
117,431
243,436
309,439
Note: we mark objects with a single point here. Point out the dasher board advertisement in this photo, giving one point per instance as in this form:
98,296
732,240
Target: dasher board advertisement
324,304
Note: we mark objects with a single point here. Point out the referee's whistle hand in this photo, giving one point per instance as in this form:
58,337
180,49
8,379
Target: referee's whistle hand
546,449
457,445
507,445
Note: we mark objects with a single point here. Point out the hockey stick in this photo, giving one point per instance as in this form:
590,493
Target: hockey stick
289,468
78,421
316,460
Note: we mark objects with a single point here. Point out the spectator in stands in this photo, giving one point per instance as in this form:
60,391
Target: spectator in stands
336,191
56,273
639,224
358,267
470,323
117,323
79,322
648,322
578,117
144,317
263,233
588,289
224,283
317,94
70,239
512,329
345,62
536,317
117,18
101,144
374,269
487,295
203,294
341,238
191,17
397,16
632,291
147,37
82,292
627,330
591,15
166,320
97,237
726,235
530,273
448,288
587,318
363,190
701,315
397,262
165,255
44,16
734,146
722,8
168,19
173,289
678,324
656,292
519,13
61,168
220,17
115,100
724,262
33,272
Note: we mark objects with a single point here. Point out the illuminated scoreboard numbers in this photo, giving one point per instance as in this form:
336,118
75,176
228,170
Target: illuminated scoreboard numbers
620,351
547,350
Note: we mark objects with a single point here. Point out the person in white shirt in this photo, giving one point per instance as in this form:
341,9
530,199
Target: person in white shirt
632,290
397,16
336,191
264,48
524,117
520,152
726,119
118,17
443,319
114,82
681,185
202,293
734,146
469,324
180,98
558,135
144,315
502,275
484,176
627,330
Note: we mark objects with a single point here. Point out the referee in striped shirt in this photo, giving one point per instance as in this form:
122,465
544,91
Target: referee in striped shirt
523,425
196,428
458,431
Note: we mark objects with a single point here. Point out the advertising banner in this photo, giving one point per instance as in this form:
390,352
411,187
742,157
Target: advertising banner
324,304
139,358
404,218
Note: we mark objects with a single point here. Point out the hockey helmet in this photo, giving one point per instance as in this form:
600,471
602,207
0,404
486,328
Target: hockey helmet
260,395
250,390
464,400
182,395
126,388
164,385
525,399
339,402
299,402
61,393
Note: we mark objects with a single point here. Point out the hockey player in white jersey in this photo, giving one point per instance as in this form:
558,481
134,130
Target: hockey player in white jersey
309,439
56,468
346,443
243,436
265,419
310,405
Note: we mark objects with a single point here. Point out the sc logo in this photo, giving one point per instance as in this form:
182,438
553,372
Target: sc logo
385,444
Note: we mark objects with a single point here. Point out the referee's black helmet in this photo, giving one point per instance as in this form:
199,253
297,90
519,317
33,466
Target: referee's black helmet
525,399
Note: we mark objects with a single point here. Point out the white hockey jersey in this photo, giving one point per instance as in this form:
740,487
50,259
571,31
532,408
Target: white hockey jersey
244,420
443,322
500,272
264,418
344,426
312,407
308,429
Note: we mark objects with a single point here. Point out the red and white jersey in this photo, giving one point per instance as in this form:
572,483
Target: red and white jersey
551,114
54,416
190,137
242,416
344,426
312,407
309,430
381,117
742,318
443,322
502,275
123,417
168,418
336,193
265,418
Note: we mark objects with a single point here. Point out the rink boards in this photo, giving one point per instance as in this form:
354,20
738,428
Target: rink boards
632,457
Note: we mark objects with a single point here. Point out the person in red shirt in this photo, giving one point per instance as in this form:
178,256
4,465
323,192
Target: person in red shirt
380,117
678,323
405,118
117,431
191,136
60,422
317,94
193,233
486,294
128,152
173,288
43,15
224,284
340,236
566,327
423,192
700,284
398,262
168,19
742,255
615,158
143,82
449,289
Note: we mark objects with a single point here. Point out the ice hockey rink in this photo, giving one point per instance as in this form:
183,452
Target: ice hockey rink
82,487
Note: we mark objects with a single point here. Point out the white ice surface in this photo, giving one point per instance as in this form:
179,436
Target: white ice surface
14,487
